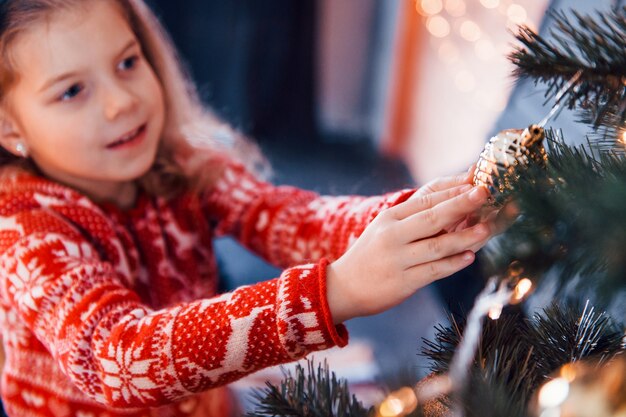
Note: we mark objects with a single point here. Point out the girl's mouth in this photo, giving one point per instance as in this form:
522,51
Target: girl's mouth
129,139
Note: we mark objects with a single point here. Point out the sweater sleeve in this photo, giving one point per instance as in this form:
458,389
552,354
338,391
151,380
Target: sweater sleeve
286,225
121,353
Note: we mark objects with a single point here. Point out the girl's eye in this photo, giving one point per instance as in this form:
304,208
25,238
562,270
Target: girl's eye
71,92
128,63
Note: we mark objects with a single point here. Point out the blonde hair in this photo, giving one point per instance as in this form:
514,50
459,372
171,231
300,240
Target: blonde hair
195,143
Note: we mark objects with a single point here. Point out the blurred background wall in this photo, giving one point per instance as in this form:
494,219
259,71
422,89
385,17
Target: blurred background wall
419,80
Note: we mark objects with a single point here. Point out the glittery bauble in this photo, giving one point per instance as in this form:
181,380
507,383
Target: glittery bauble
499,163
433,407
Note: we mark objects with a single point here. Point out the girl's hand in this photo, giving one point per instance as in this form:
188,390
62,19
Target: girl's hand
405,248
446,183
497,219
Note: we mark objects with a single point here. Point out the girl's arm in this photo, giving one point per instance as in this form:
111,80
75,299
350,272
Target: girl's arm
286,225
120,352
402,241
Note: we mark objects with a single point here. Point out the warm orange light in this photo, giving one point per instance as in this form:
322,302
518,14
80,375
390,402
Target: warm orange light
399,403
495,311
430,7
521,289
391,407
568,372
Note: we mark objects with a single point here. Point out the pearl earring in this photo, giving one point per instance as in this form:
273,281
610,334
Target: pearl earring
21,149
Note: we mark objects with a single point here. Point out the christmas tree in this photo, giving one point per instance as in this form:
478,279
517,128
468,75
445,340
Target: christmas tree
506,358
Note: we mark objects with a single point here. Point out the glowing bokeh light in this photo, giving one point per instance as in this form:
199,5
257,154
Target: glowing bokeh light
470,31
516,13
568,371
430,7
391,407
398,404
553,393
456,8
495,311
521,289
438,26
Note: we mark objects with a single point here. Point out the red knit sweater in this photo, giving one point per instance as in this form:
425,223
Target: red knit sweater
108,312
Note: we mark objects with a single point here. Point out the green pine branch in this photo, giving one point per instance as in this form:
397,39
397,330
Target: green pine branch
562,335
516,354
572,220
309,393
595,45
498,378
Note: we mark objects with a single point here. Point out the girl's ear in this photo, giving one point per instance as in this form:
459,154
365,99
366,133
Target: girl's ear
10,136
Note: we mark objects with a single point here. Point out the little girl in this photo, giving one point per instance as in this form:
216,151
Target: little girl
114,181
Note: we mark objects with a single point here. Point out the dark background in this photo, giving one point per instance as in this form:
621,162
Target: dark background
253,60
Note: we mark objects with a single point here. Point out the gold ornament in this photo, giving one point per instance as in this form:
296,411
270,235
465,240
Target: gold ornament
499,163
584,389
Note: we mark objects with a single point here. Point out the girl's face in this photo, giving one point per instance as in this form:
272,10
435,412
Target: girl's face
86,103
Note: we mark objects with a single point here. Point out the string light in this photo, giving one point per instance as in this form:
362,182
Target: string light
495,311
490,301
521,289
553,393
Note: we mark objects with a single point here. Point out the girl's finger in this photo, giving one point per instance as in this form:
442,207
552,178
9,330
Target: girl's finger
432,220
479,245
424,274
443,246
443,183
415,204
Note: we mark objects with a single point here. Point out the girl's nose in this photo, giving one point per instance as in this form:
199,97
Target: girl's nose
118,101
